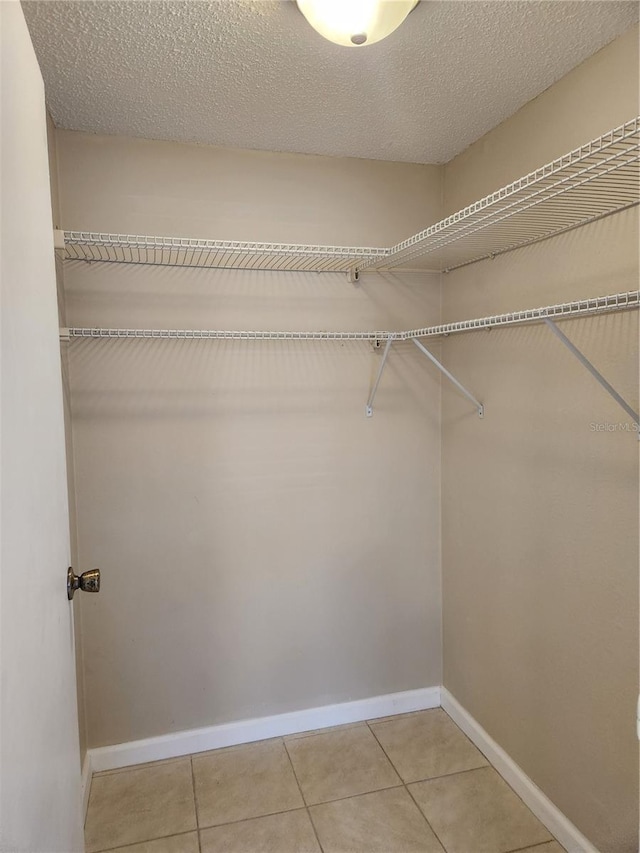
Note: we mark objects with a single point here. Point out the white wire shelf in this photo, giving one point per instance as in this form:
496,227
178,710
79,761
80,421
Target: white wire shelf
563,310
579,308
593,181
214,254
214,334
587,184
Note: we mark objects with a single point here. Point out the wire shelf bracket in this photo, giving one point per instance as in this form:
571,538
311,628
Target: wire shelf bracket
369,407
608,387
479,406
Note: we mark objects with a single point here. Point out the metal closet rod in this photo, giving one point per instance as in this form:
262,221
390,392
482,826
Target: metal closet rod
579,308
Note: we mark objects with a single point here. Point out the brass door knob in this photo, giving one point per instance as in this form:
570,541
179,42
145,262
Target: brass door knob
88,581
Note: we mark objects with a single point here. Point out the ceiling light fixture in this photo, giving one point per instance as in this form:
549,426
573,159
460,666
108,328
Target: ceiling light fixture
355,23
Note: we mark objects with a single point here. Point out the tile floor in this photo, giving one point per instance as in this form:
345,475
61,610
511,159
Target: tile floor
402,784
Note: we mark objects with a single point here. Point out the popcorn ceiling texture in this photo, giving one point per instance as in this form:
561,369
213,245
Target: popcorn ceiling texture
255,75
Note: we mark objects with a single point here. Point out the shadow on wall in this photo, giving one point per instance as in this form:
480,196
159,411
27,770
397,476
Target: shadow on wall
155,379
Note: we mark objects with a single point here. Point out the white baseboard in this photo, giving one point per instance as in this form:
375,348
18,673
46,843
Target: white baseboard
561,827
246,731
85,782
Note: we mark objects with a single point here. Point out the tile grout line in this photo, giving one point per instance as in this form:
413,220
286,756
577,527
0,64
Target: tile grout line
86,815
435,834
304,799
195,803
297,808
143,765
315,831
391,764
327,731
535,846
245,819
295,775
150,840
404,785
355,796
392,718
453,773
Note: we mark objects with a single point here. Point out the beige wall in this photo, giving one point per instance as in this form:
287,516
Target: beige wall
540,513
265,547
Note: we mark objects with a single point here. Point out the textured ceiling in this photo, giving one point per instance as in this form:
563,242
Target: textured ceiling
255,75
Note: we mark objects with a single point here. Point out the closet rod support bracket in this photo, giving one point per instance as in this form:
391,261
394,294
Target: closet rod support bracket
593,371
479,406
369,407
65,335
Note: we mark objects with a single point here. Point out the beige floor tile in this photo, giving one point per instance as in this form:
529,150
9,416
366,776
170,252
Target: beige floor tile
427,744
550,847
139,805
340,764
290,832
244,782
174,844
477,812
382,822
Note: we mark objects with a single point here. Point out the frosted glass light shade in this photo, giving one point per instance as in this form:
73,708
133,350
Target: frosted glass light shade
355,23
